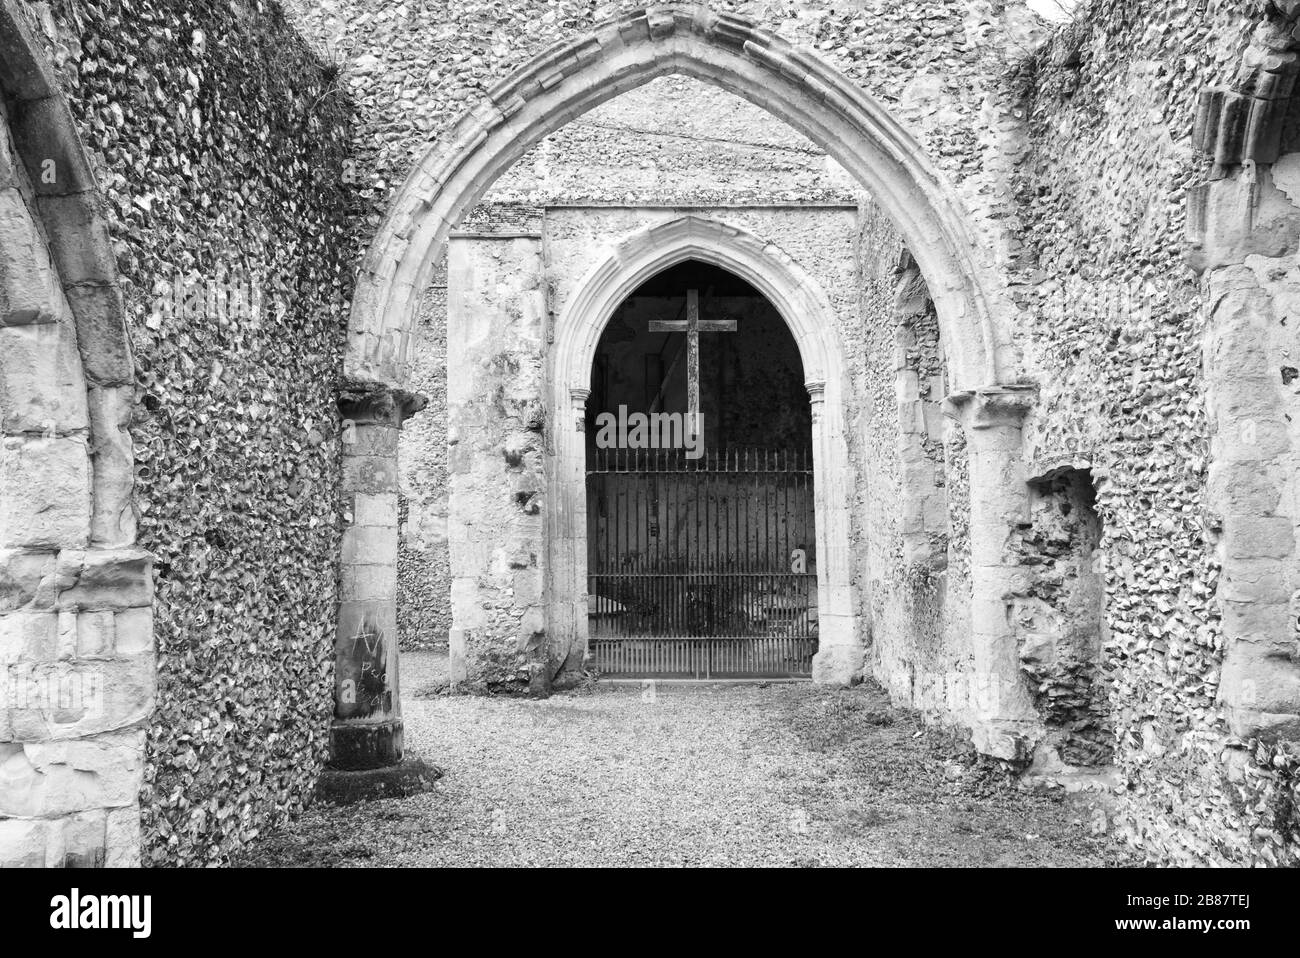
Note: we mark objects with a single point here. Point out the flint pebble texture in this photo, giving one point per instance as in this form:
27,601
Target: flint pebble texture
246,152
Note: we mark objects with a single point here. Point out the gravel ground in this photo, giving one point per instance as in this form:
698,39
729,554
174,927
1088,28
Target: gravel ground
787,775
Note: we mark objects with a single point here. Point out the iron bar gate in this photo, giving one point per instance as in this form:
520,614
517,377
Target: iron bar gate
701,568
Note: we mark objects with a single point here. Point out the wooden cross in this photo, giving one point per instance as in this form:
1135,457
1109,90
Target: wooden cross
692,327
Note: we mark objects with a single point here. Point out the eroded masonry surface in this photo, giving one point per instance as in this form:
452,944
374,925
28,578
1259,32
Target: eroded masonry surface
310,315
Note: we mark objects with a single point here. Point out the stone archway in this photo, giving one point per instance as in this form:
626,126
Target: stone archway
570,79
76,617
832,111
809,314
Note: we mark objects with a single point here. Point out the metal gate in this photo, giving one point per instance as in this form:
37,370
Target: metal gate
701,568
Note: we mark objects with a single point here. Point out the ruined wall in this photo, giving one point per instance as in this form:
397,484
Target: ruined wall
423,566
495,423
76,628
674,140
414,66
220,145
1057,615
915,583
1114,329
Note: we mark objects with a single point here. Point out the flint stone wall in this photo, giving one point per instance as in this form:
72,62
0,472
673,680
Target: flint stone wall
219,144
1114,328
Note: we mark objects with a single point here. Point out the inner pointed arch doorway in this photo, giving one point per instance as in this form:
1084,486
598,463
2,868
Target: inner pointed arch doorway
701,527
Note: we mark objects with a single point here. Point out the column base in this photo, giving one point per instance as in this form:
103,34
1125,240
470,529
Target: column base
1010,741
838,665
358,746
411,777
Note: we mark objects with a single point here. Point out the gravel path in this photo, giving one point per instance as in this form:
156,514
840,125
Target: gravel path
705,775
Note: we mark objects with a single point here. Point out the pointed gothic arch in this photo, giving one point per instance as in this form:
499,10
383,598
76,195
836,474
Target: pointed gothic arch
830,109
571,78
807,311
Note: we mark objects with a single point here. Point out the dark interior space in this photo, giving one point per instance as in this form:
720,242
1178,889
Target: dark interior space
752,393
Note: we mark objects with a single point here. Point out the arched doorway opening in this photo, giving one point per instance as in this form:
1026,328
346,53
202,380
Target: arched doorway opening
550,630
701,530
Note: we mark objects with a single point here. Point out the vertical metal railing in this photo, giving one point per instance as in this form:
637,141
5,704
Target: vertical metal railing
693,563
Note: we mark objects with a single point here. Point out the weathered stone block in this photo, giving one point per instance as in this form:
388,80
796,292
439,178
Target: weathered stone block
133,632
936,513
29,285
374,510
369,474
67,635
111,579
1248,537
79,232
1259,623
932,414
23,841
61,778
122,838
41,389
48,133
31,637
1259,580
1262,692
113,522
911,417
838,665
907,387
95,634
101,334
918,476
21,576
1243,488
1228,237
11,173
364,440
68,700
44,493
370,545
369,582
84,840
467,604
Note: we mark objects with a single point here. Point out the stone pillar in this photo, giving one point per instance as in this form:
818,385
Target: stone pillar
1254,491
367,728
567,534
496,427
1004,722
840,651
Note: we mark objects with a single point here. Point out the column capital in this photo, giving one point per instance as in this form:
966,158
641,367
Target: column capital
578,396
816,390
992,407
376,404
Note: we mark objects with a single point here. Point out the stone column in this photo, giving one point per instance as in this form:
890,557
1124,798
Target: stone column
367,728
840,649
1004,722
1254,491
497,508
567,606
1244,225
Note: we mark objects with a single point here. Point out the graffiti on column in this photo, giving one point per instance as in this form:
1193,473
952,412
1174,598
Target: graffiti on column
363,673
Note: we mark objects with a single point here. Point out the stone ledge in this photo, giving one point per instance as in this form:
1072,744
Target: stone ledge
411,777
